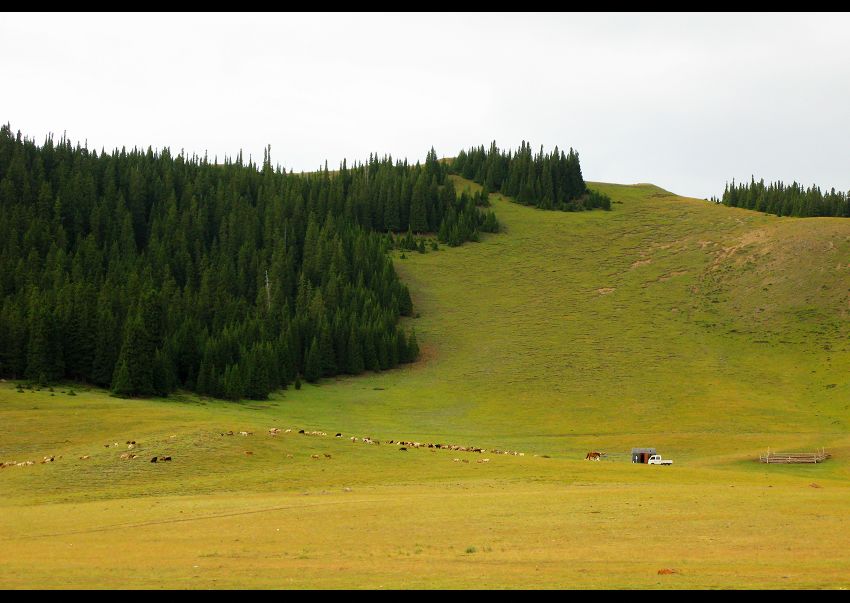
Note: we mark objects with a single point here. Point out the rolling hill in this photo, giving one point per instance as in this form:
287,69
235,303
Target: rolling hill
708,332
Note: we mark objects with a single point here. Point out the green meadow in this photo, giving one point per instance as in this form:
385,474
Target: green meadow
710,333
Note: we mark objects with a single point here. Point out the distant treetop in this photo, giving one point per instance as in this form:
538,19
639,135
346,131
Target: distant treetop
547,181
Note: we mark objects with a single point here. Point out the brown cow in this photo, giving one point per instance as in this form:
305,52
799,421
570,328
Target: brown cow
593,456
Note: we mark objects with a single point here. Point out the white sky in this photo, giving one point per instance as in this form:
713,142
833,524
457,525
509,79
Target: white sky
686,101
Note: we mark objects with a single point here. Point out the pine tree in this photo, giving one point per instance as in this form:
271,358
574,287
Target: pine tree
355,355
138,351
418,210
146,273
412,348
121,384
313,362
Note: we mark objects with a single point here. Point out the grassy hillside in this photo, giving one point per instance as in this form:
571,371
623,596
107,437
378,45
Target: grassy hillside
708,332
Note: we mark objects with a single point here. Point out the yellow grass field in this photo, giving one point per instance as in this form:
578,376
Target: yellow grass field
707,332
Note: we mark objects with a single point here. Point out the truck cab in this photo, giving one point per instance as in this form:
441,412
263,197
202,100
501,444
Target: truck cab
656,459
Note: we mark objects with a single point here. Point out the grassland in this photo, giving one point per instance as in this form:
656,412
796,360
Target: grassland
711,333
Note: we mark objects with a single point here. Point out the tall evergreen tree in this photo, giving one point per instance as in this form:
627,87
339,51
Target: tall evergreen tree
146,272
313,362
418,209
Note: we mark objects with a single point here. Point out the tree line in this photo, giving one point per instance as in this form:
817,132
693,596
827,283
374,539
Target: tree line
785,200
547,181
144,272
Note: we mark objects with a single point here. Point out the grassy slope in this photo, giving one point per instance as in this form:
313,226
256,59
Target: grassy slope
708,332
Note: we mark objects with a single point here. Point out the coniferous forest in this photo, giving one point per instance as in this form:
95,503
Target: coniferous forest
145,272
552,181
786,200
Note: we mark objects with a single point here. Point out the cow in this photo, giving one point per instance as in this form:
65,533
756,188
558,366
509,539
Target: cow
593,456
339,435
327,456
248,452
84,457
165,458
314,456
403,448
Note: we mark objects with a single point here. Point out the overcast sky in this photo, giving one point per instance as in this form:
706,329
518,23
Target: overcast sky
686,102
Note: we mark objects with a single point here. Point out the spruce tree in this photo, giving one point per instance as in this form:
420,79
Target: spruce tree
412,347
313,362
355,355
418,210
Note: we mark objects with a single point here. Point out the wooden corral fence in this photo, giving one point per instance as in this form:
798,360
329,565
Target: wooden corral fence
794,457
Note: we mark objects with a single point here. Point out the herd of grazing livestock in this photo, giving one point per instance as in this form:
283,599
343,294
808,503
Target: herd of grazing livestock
125,456
403,445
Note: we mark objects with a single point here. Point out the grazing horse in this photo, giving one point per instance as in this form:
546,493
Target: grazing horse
593,456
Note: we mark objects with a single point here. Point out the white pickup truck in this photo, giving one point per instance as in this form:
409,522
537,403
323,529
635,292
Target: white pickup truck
656,459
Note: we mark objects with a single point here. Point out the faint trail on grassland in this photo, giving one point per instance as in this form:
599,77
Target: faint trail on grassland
185,519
